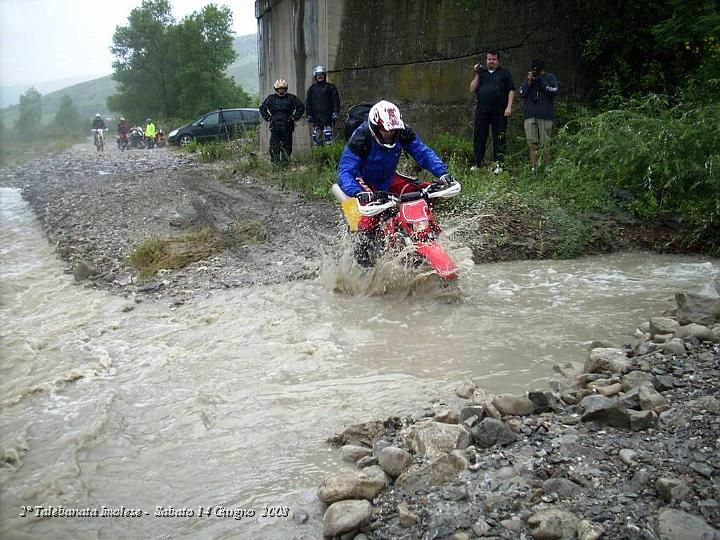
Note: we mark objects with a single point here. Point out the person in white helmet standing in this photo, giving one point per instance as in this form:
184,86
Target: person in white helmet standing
281,110
323,106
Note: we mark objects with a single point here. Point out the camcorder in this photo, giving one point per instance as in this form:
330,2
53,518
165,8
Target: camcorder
535,71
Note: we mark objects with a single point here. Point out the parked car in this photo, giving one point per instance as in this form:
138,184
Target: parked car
220,124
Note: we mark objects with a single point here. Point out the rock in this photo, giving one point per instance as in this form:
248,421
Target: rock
432,439
447,416
637,378
674,346
508,404
695,330
440,471
481,527
553,524
363,434
640,420
604,410
365,484
490,432
678,525
407,518
663,325
607,361
610,390
671,489
587,530
394,460
563,487
650,400
346,516
469,412
351,453
465,390
84,270
700,305
544,401
627,456
300,517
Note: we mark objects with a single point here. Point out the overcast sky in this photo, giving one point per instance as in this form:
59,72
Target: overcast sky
47,40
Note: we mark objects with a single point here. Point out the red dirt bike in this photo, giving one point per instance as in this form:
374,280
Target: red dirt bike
407,222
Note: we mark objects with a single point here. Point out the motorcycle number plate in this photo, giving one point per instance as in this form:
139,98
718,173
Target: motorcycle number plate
414,211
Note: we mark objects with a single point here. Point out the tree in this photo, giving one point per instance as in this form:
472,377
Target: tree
67,118
29,120
205,50
174,70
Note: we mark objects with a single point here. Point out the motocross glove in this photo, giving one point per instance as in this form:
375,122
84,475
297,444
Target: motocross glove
444,181
365,197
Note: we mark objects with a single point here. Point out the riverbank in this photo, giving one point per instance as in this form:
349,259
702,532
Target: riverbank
622,446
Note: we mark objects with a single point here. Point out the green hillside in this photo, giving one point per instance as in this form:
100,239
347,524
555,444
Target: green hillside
90,97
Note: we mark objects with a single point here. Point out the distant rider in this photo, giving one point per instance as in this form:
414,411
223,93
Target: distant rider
98,122
323,106
123,128
369,162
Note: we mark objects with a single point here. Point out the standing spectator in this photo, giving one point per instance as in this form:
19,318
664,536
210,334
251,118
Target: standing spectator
495,90
281,110
539,90
323,106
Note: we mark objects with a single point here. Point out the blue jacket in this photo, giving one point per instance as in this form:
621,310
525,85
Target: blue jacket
364,158
540,96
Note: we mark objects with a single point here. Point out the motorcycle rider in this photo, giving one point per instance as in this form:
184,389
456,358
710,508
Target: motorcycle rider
281,110
98,122
369,161
323,106
123,128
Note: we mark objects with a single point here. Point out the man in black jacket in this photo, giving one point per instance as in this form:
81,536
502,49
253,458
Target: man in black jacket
495,90
539,90
323,106
281,110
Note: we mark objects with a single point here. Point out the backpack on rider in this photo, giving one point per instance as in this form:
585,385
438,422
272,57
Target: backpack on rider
356,116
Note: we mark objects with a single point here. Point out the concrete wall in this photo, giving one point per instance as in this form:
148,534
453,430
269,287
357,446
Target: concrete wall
416,53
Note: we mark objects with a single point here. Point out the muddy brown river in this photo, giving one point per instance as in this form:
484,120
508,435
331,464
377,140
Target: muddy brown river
210,420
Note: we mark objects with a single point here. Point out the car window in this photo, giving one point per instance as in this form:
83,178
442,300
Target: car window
231,117
197,121
251,115
212,119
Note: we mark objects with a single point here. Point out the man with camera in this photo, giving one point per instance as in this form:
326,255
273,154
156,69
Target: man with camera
495,90
538,90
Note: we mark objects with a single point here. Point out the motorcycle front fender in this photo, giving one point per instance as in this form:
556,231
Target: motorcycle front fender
438,259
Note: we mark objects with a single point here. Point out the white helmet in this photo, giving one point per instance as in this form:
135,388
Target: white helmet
385,116
319,70
97,115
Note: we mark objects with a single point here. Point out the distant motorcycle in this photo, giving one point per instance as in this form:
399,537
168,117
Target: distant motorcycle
99,138
122,141
136,139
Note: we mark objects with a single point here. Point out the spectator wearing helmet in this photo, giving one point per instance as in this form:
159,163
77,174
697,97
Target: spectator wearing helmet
323,106
281,110
98,122
150,129
369,161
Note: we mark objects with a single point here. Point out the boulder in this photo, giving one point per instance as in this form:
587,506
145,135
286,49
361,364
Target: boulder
637,378
490,432
365,484
699,331
363,434
346,516
678,525
432,439
607,411
544,401
663,325
508,404
700,305
351,453
438,472
671,489
394,460
553,524
607,361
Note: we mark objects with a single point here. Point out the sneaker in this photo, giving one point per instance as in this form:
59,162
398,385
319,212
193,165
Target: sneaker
498,169
474,168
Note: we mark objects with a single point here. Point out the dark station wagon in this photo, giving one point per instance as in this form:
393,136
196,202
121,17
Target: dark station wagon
220,124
